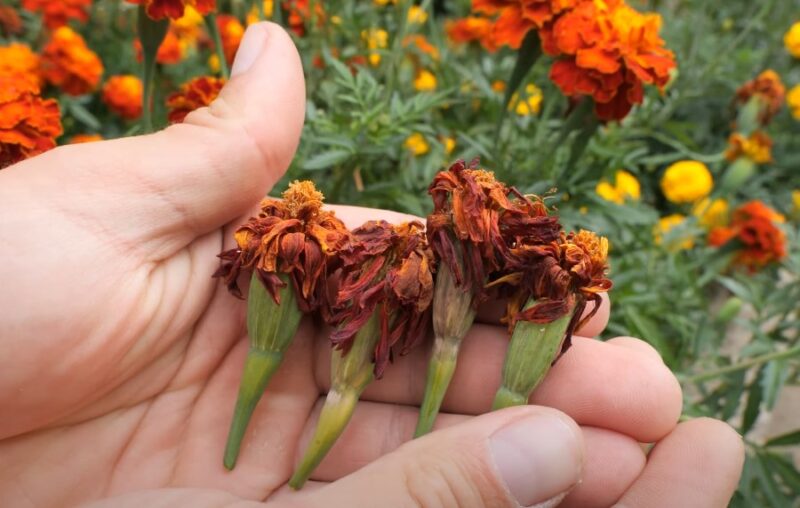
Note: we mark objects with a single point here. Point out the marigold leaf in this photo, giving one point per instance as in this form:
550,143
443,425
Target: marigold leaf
790,438
325,160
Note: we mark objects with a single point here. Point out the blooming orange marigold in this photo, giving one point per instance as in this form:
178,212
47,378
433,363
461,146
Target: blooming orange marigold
608,51
123,95
174,9
194,94
753,226
768,89
69,64
756,147
18,58
58,13
517,17
231,32
28,123
472,29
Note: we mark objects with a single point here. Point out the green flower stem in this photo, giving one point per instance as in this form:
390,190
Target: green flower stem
213,30
151,35
453,314
271,328
530,354
745,364
351,373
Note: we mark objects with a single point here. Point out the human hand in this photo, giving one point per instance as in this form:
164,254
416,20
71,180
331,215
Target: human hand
122,356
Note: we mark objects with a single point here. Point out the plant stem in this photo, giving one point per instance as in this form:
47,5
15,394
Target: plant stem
213,29
151,34
441,367
745,364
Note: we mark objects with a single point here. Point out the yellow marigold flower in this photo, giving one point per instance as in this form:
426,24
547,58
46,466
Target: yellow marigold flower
757,147
792,40
796,201
18,58
254,16
425,81
625,187
665,225
499,86
376,38
417,15
686,182
336,20
417,144
793,101
449,144
532,104
711,214
213,64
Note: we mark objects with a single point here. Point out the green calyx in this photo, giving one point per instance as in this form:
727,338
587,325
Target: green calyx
530,354
271,328
351,373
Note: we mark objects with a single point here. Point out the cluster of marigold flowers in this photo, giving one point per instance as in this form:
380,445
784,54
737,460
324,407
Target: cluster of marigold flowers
603,49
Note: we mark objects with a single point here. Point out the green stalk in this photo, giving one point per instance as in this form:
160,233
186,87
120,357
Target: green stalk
213,30
271,328
530,354
350,375
151,35
743,365
453,314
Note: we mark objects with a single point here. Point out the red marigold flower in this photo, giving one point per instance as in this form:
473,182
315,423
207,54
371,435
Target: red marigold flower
58,13
18,58
517,17
10,22
69,64
608,51
123,95
300,12
386,268
85,138
28,123
753,227
293,236
174,9
472,29
231,32
197,93
768,89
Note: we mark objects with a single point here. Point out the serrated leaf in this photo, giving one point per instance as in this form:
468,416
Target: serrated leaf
325,160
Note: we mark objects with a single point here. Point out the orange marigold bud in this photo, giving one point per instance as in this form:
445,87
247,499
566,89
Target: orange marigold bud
69,64
231,32
18,58
472,29
10,22
754,228
123,95
58,13
174,9
28,123
768,89
197,93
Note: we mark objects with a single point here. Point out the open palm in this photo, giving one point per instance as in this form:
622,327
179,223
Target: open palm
122,356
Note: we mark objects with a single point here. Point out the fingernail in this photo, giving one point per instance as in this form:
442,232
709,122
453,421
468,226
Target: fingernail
540,458
253,42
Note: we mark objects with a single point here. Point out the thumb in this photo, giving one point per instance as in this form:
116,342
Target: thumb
525,456
193,177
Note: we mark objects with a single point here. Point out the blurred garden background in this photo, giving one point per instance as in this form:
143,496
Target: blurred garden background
680,142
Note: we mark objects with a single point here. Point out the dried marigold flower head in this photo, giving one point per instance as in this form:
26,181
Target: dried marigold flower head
608,51
69,64
17,58
760,241
58,13
757,147
10,22
174,9
123,95
472,29
28,123
293,236
517,17
387,269
194,94
768,89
